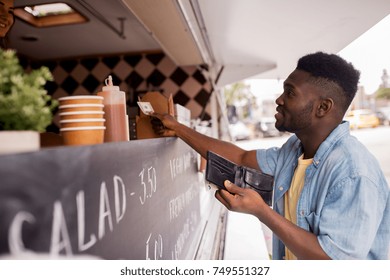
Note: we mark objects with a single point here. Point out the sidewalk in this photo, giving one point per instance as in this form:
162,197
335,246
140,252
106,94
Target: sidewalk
246,238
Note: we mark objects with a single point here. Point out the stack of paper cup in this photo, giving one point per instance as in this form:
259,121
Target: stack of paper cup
82,119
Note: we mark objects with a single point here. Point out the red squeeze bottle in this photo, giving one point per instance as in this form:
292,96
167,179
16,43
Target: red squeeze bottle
114,102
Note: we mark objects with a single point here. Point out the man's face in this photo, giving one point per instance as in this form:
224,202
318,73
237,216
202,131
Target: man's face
6,16
295,110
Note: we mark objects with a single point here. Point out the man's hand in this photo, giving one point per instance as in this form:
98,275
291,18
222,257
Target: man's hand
302,243
163,124
240,199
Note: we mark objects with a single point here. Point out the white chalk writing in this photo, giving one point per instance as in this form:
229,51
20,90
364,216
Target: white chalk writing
181,241
156,245
179,203
60,241
180,165
15,240
59,234
149,187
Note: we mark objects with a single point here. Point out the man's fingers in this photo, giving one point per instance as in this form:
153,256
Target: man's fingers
218,196
226,198
160,124
232,188
156,115
157,124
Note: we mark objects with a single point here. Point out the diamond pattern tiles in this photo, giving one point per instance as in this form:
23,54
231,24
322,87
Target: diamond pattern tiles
135,74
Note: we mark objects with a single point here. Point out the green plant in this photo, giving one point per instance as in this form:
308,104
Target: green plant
24,103
240,96
383,93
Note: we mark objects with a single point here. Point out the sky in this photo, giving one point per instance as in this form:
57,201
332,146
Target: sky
370,53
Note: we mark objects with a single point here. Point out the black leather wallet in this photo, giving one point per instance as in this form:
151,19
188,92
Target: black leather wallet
219,169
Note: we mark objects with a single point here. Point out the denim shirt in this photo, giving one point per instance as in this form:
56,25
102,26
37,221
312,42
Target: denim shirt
345,199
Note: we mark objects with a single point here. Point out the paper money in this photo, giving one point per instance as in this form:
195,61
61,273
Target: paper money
146,107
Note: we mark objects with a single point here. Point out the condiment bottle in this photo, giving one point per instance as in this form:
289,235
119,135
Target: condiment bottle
114,102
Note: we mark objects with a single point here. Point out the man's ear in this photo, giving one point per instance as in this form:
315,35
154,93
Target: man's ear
324,107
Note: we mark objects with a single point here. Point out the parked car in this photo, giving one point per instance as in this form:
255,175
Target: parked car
362,118
266,128
239,131
383,115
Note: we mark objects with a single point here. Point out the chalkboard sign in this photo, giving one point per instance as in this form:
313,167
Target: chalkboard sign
128,200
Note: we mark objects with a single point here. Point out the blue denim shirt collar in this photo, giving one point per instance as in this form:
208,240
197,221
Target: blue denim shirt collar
323,150
326,146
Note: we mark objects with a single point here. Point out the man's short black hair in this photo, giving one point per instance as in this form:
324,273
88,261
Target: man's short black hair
332,68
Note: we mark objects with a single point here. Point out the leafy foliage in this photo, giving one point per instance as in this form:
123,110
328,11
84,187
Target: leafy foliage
383,93
236,93
239,95
24,103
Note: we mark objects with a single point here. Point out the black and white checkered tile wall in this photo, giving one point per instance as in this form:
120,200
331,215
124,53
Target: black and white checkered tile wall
135,74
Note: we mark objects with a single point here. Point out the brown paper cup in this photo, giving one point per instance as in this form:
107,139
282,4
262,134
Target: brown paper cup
81,115
81,107
81,122
80,99
88,135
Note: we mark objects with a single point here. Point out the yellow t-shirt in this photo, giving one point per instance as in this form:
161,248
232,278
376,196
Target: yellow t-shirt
292,196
